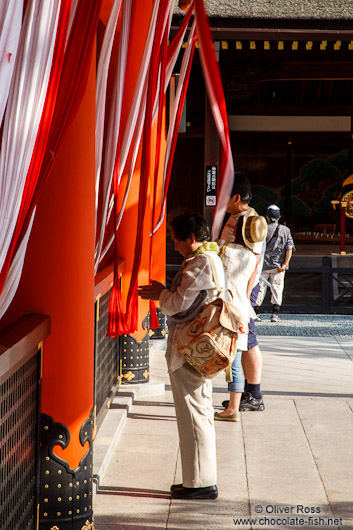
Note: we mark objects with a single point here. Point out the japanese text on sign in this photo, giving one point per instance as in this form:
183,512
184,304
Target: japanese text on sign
211,185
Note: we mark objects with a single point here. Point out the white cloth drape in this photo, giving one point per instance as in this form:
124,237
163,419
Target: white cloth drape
114,125
173,59
74,5
102,80
131,139
21,123
174,110
135,150
14,275
10,26
113,130
214,89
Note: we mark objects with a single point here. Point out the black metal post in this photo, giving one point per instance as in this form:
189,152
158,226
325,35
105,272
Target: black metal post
326,285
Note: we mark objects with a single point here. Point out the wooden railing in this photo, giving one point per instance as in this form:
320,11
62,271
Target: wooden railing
313,284
317,284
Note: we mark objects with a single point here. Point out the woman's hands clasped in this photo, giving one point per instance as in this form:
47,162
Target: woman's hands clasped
152,291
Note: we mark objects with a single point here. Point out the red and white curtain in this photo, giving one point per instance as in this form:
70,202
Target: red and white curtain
45,55
154,75
215,93
10,24
131,137
25,102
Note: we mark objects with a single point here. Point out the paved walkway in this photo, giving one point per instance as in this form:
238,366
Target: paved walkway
288,466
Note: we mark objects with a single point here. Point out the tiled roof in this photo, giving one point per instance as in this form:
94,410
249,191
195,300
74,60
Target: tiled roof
278,9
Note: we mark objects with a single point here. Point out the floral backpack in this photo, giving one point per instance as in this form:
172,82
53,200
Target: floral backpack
208,341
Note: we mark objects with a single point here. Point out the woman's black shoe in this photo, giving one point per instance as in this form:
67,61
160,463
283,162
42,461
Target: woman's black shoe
174,486
209,492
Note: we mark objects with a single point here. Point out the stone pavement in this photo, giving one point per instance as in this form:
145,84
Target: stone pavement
290,466
307,325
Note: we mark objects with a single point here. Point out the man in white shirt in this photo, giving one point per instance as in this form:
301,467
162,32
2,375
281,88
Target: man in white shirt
238,207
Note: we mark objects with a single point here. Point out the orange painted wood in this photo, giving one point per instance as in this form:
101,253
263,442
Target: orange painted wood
58,278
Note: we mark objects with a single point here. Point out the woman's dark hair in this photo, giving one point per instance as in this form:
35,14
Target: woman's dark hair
242,187
190,223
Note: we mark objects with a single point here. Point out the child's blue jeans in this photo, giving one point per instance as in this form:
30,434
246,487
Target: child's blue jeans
237,385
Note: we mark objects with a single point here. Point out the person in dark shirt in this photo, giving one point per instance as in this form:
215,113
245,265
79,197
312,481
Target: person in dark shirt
278,253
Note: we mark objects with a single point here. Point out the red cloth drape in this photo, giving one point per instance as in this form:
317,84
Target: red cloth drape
42,136
154,324
118,321
215,92
175,42
65,91
177,122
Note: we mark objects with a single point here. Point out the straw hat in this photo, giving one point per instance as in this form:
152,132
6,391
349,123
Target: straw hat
254,229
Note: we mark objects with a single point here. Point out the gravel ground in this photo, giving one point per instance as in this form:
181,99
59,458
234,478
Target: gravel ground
306,325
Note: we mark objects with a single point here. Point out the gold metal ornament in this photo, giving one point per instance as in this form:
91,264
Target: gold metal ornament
129,376
348,199
88,525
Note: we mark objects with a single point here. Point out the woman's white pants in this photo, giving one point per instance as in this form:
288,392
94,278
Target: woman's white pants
192,395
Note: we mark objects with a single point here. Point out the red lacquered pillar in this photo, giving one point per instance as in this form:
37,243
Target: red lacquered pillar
58,280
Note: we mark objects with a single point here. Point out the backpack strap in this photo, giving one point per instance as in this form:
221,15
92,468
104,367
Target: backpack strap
223,249
273,235
220,288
